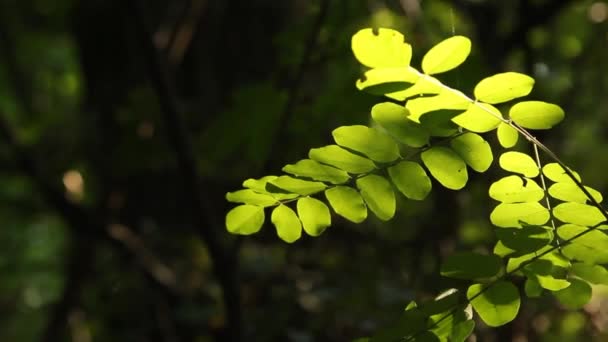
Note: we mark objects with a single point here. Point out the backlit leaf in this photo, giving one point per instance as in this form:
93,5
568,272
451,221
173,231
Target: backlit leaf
570,192
543,272
297,186
393,118
411,179
511,189
312,169
576,295
336,156
577,213
445,100
519,163
379,196
470,265
368,141
592,247
536,114
498,305
525,240
381,48
425,85
446,55
347,202
511,215
474,150
245,219
249,196
387,81
314,215
479,117
439,123
595,274
288,226
556,173
507,135
533,288
503,87
446,166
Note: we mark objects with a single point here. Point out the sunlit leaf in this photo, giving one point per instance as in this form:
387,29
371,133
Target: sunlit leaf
297,186
444,100
519,163
592,247
258,185
570,192
381,48
387,81
507,135
245,219
511,215
426,85
249,196
470,265
577,213
312,169
595,274
554,257
526,240
288,226
498,305
446,55
446,166
342,159
393,118
576,295
532,288
474,150
556,173
411,179
511,189
368,141
379,196
439,123
543,272
503,87
536,114
347,202
479,117
314,215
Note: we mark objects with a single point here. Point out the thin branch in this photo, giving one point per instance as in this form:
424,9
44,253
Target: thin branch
224,264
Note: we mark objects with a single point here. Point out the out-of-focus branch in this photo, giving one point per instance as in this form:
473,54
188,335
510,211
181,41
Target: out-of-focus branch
224,263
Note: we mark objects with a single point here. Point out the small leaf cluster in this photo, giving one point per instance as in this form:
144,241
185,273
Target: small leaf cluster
549,227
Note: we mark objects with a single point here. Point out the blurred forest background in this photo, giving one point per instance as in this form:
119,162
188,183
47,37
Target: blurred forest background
124,123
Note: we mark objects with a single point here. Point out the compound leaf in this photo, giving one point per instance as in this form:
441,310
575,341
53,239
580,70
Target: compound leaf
474,150
249,196
336,156
570,192
511,215
511,189
576,295
470,265
393,118
577,213
507,135
446,166
411,179
556,173
503,87
312,169
381,48
446,99
288,226
245,219
314,215
479,117
379,196
594,274
446,55
368,141
526,240
536,114
497,305
519,163
387,81
298,186
592,247
347,202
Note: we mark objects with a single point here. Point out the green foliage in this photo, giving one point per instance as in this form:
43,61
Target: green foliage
549,225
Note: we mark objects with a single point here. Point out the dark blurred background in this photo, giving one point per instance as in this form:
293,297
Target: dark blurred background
123,124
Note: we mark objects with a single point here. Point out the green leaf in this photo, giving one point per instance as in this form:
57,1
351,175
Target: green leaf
297,186
347,202
425,85
479,117
470,265
444,301
511,215
570,192
383,48
525,240
501,250
519,163
461,331
410,322
314,215
556,173
507,135
312,169
446,99
249,196
576,295
368,141
498,305
393,118
536,114
411,179
446,166
379,196
474,150
446,55
439,123
532,288
388,81
336,156
592,247
503,87
577,213
554,257
288,226
543,272
594,274
511,189
258,185
245,219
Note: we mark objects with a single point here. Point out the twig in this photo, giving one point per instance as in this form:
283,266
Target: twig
224,264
